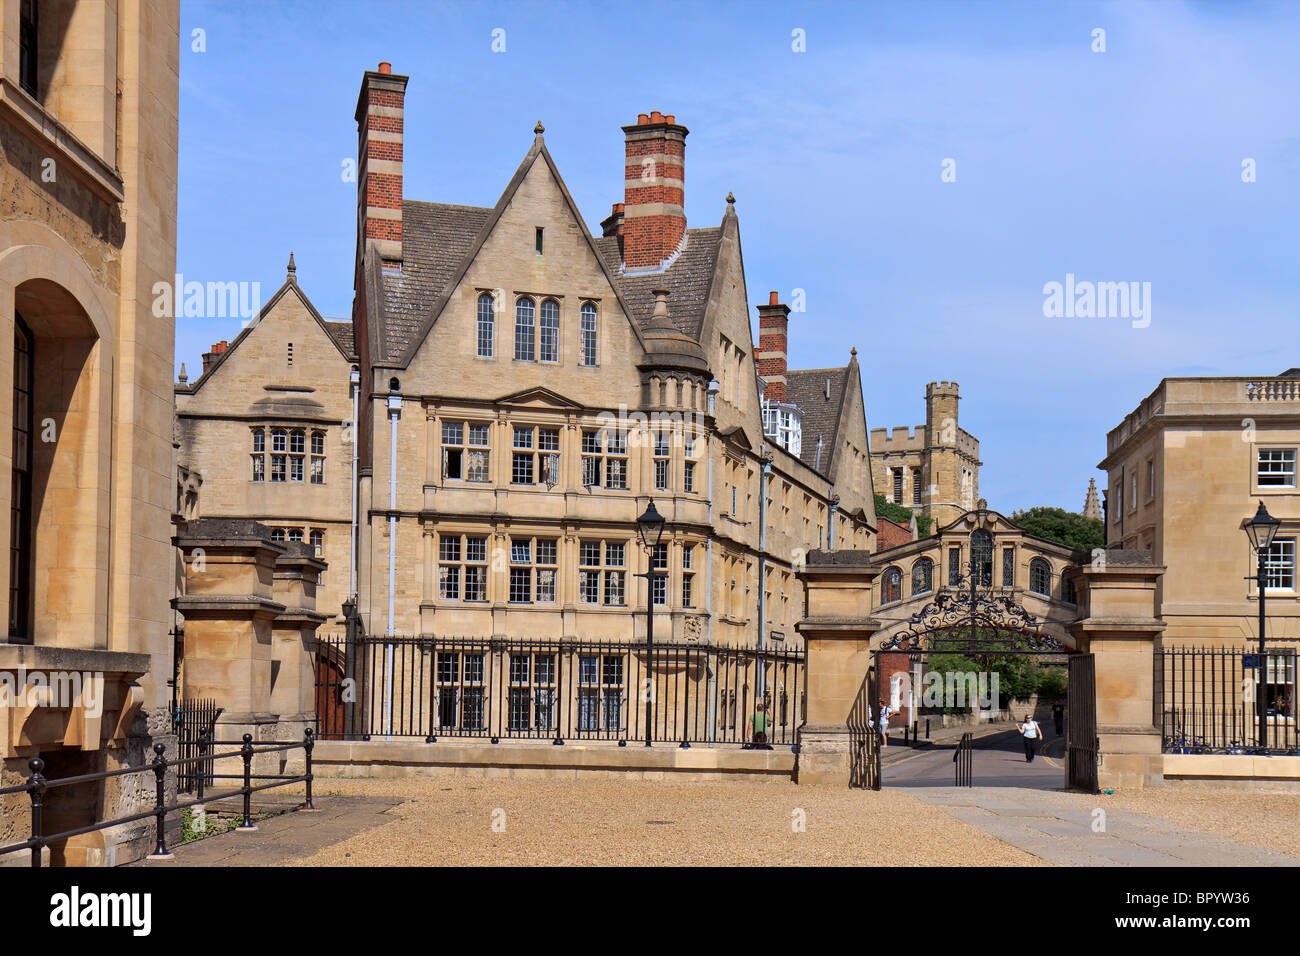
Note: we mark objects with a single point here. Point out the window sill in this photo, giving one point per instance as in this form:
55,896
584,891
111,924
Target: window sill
40,125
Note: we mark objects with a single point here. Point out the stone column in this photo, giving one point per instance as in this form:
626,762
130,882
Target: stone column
837,630
293,640
230,610
1120,627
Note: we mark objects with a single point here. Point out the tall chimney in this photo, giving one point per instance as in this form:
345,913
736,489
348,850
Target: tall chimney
654,217
773,328
379,117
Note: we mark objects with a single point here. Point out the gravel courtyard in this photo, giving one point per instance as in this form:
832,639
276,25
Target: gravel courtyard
449,821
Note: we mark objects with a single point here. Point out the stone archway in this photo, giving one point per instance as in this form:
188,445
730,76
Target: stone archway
46,288
1116,622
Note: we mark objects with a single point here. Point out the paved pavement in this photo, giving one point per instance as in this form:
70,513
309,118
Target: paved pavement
998,761
291,836
1071,829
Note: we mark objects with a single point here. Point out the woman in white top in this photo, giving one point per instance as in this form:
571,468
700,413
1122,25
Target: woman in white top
1031,734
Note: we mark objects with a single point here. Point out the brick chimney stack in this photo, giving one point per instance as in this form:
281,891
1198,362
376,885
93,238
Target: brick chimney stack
379,116
654,215
210,357
773,328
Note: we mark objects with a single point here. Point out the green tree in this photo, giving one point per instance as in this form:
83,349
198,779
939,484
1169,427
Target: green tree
887,509
1064,527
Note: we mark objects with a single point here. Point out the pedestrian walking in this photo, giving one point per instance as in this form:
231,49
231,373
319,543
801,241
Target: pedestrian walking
758,726
885,713
1031,733
1058,716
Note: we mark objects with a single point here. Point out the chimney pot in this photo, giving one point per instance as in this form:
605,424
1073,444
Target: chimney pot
670,119
642,119
385,67
656,116
773,298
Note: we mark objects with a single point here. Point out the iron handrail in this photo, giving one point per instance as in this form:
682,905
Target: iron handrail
37,786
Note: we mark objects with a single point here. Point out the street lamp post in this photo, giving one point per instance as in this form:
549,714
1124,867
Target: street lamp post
651,526
1261,529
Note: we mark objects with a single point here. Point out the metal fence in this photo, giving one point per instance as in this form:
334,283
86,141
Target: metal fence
434,688
196,723
38,787
1206,700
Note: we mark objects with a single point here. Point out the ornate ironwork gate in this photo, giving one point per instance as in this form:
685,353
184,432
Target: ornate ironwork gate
864,739
1082,745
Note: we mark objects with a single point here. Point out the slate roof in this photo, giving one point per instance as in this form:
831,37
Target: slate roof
687,280
821,414
342,333
436,237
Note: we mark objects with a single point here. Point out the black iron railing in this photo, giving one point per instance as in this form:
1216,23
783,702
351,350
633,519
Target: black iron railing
558,691
963,759
195,725
1207,700
37,787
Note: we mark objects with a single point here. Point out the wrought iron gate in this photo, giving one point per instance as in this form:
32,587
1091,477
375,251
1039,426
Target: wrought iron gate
864,739
1082,745
963,760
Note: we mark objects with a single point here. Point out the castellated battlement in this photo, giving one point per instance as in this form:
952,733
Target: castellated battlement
901,438
936,389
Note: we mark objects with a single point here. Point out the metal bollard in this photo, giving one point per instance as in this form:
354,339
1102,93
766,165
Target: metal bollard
309,741
160,805
927,728
36,789
246,752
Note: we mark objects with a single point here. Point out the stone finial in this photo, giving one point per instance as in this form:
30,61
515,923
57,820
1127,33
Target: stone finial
853,352
184,376
731,199
539,129
292,275
660,318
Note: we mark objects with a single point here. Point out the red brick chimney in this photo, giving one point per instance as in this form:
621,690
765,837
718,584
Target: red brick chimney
773,327
654,217
211,357
379,116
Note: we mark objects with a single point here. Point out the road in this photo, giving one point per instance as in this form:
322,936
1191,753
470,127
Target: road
998,761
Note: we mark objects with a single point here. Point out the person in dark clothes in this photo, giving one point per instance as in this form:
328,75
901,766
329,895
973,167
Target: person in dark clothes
1058,716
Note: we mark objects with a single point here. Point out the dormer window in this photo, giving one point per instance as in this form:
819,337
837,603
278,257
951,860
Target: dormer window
783,423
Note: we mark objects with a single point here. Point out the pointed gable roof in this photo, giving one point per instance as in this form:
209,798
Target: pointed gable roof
820,394
688,280
413,299
339,333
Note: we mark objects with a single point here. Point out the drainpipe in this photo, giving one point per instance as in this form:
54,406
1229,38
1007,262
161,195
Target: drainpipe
830,532
394,413
352,553
708,606
765,475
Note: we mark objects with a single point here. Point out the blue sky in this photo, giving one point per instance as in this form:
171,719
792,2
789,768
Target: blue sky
1123,165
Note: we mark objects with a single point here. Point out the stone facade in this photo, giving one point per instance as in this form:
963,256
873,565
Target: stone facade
932,468
1184,470
88,117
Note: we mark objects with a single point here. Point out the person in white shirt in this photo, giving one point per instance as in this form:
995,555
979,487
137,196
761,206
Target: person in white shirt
1032,734
885,713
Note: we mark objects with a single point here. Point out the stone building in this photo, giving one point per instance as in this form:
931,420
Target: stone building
528,387
1185,469
88,117
932,468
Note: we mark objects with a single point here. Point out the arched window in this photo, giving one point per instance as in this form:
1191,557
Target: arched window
891,586
524,332
277,534
922,576
486,325
1040,576
981,553
20,505
588,333
550,329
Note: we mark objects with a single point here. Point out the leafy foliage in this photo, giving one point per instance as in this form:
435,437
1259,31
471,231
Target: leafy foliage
887,509
1064,527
